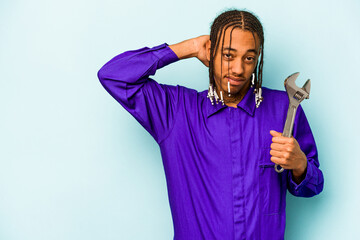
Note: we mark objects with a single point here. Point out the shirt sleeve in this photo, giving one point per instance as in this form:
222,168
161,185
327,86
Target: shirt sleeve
126,78
313,182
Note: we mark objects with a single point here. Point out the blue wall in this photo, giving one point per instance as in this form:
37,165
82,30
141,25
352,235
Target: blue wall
75,165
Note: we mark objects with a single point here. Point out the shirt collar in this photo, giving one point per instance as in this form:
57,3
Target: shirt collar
247,104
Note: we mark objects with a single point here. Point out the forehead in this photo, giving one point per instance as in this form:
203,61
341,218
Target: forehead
241,40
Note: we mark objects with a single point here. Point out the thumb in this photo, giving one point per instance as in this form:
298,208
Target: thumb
275,133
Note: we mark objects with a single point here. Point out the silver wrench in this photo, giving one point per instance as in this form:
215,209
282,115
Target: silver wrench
296,95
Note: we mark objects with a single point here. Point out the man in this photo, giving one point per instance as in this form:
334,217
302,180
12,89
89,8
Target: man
217,148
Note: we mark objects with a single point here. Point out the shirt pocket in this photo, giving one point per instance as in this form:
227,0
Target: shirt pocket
272,185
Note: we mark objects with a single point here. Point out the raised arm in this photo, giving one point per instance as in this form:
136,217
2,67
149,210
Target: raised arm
126,78
194,47
154,105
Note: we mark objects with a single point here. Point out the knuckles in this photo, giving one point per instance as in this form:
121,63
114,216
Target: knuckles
292,141
290,148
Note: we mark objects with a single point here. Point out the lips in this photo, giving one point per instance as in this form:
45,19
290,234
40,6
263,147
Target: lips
235,81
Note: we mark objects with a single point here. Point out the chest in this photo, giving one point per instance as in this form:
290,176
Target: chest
230,129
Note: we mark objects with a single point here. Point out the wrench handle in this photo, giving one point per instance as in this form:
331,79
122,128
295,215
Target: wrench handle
289,123
287,132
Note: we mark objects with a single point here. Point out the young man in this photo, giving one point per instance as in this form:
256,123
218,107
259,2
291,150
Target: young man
217,148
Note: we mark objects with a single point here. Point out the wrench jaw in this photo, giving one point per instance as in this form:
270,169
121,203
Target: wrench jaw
302,93
306,88
295,93
290,80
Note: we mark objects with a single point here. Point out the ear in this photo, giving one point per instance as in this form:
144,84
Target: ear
207,51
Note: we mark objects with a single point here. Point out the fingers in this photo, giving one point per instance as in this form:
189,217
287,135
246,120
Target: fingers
283,147
206,63
278,138
280,162
278,154
280,158
277,146
283,140
286,152
275,133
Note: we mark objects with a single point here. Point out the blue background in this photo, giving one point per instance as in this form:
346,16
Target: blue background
75,165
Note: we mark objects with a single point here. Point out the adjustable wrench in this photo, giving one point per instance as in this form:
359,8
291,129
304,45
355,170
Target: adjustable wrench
296,95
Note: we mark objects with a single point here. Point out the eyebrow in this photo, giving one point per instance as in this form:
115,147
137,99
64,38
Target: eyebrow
230,49
233,49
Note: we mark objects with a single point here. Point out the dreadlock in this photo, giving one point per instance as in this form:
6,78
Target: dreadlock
235,19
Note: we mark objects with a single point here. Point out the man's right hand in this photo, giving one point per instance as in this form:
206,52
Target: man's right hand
194,47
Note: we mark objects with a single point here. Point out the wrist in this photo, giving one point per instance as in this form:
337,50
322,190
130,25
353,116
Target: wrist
300,173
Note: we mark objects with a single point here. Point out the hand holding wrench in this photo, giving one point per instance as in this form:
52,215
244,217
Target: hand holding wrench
296,95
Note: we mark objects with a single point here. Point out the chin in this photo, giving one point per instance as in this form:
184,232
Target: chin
235,89
238,89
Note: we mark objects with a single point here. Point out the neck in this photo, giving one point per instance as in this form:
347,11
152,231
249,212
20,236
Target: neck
234,99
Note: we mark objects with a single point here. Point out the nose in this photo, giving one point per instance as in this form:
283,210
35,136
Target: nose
237,67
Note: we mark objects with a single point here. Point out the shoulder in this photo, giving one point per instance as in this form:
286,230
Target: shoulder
186,92
191,99
275,101
275,97
274,93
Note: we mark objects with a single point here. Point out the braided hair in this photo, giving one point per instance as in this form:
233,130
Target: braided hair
236,19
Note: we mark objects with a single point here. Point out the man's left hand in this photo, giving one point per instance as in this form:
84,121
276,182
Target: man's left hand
286,152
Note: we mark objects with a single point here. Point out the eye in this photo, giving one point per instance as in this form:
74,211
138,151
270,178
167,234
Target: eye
250,59
227,55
